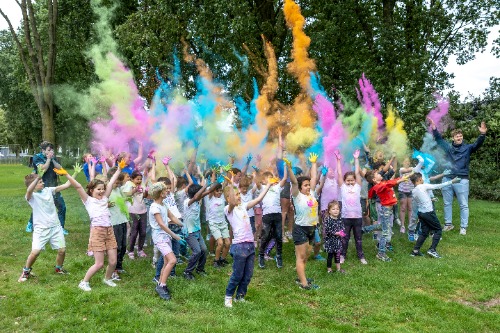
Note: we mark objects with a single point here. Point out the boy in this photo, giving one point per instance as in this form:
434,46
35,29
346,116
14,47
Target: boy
426,213
384,190
46,224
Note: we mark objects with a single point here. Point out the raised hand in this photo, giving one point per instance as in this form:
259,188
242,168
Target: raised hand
122,164
356,153
313,157
77,168
420,159
337,154
287,162
482,128
166,159
102,159
324,170
249,158
273,180
255,168
60,172
151,155
93,160
40,171
227,167
431,122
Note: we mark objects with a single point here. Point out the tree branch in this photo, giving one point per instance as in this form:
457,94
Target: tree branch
38,44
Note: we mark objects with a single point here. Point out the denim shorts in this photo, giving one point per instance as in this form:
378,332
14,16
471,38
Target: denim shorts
303,234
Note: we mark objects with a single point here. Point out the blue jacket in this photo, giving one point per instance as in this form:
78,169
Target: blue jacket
459,155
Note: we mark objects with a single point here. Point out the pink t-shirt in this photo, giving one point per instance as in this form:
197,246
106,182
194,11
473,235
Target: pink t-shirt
329,193
240,224
98,212
351,204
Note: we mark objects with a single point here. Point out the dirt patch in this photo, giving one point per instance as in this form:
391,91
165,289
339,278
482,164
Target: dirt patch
481,305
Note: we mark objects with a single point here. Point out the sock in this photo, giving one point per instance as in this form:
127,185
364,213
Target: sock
162,284
58,267
26,269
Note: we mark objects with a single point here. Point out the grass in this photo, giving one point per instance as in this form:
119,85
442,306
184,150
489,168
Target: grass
459,293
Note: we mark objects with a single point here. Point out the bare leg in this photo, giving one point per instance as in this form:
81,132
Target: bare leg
32,258
225,250
98,263
61,254
112,255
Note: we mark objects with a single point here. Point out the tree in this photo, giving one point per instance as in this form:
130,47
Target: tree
39,63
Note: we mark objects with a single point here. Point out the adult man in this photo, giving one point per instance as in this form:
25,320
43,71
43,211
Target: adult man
459,154
46,158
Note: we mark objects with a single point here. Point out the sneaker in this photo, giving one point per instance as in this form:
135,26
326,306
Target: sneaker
131,255
156,280
217,264
363,261
402,230
383,257
109,282
267,257
319,257
212,254
262,262
433,254
240,299
29,227
228,301
65,232
163,292
289,235
120,271
342,259
180,261
90,253
416,254
85,286
463,231
309,280
398,221
115,276
279,261
61,271
25,275
310,286
389,247
142,254
341,271
411,236
284,239
224,262
201,272
188,276
448,227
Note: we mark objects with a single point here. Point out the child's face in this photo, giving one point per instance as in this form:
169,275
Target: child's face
419,181
48,152
98,191
406,162
126,178
163,194
168,188
330,173
137,180
379,155
40,185
334,211
244,189
377,177
305,187
237,177
218,193
350,181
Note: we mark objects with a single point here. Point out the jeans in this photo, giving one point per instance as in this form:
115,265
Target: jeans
412,224
120,231
271,228
61,209
355,224
461,190
429,222
199,256
385,217
176,246
243,260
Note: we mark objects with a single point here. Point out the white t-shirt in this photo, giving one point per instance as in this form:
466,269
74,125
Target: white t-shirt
351,201
169,201
240,224
306,209
421,196
98,211
137,206
272,203
246,198
44,209
180,196
117,214
215,210
192,216
158,234
329,193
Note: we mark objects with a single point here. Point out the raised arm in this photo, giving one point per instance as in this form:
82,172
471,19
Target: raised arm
285,177
356,166
313,158
293,179
480,140
78,187
340,178
31,187
437,136
255,201
198,196
113,179
245,167
138,159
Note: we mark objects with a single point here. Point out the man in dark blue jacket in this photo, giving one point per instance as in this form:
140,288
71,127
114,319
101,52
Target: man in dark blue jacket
459,154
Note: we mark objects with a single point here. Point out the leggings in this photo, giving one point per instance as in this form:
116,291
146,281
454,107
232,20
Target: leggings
354,224
139,222
330,257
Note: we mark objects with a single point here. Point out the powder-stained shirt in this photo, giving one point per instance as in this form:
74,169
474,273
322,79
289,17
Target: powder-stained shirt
240,224
306,209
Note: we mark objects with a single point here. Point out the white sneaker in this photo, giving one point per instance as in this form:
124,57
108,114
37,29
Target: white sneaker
85,286
448,227
342,259
228,302
109,282
463,231
363,261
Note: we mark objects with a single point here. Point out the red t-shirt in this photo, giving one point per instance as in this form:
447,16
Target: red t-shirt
385,192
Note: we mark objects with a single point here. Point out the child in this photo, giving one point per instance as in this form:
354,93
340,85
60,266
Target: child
46,225
158,216
192,209
352,216
384,191
333,236
271,218
247,196
243,247
138,214
119,220
102,238
428,219
218,225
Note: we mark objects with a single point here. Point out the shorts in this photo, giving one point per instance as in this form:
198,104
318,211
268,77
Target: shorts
404,195
364,209
303,234
102,239
164,246
219,230
285,193
54,236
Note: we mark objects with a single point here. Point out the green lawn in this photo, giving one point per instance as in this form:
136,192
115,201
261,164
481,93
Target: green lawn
459,293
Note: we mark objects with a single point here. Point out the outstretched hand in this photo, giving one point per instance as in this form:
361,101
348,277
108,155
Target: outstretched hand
482,128
313,157
166,159
356,153
40,171
77,168
337,154
287,162
431,122
122,164
60,172
324,170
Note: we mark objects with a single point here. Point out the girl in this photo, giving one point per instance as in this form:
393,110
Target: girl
352,214
243,247
138,213
218,225
404,193
162,235
333,236
102,237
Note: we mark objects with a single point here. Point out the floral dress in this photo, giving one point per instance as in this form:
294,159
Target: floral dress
333,243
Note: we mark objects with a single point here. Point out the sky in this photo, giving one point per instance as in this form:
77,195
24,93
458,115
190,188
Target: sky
471,78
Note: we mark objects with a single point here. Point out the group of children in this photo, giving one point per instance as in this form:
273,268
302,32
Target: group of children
124,200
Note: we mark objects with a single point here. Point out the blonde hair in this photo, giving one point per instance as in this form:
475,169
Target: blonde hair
155,190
